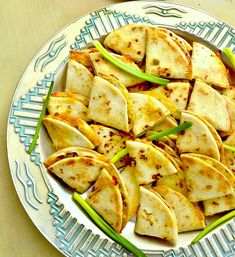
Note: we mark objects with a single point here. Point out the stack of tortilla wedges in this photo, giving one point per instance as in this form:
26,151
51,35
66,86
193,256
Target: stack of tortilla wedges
170,185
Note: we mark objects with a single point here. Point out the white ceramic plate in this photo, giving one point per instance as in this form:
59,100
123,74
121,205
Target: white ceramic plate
48,202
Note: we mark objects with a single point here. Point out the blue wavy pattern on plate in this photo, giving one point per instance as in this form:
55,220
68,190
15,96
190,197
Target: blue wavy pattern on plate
74,239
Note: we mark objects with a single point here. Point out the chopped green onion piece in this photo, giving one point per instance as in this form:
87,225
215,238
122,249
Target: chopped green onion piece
228,52
152,137
228,147
213,225
107,229
167,132
128,68
32,145
119,155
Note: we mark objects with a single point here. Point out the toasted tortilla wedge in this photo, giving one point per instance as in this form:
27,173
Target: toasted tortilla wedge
178,93
116,176
83,58
175,181
164,124
148,110
231,105
189,216
80,98
69,106
203,180
112,141
105,198
74,151
209,104
149,161
198,138
155,217
104,67
79,79
128,40
229,156
163,55
109,106
64,135
207,66
132,187
219,204
78,172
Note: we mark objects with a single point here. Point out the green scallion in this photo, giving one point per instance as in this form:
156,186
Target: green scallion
32,145
128,68
152,137
109,231
213,225
231,57
229,148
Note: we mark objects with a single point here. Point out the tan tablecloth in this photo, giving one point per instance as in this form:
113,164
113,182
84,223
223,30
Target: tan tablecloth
24,26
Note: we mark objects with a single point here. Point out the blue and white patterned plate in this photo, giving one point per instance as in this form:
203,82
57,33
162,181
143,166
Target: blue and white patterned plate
47,202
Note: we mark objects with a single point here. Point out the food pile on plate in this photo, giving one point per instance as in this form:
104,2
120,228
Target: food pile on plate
171,184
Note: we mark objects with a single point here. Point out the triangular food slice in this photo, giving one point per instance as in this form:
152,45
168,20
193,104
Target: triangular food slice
203,180
109,106
148,112
78,172
229,156
64,134
112,141
164,57
189,216
79,79
128,40
207,66
116,176
219,204
178,93
132,187
105,198
209,104
80,98
74,151
149,161
231,105
198,138
104,67
155,218
67,105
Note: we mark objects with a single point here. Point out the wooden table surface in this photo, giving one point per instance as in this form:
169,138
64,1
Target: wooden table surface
25,25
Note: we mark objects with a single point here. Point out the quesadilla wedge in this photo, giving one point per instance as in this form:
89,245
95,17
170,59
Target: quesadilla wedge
117,178
166,123
219,204
105,198
79,79
177,93
132,187
74,151
207,66
149,161
112,141
78,172
163,55
189,216
148,112
203,180
110,106
229,156
155,217
66,131
83,58
231,105
69,106
209,104
128,40
198,138
80,98
175,181
104,67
